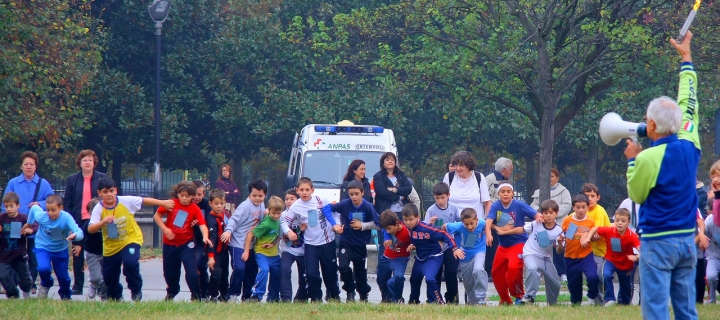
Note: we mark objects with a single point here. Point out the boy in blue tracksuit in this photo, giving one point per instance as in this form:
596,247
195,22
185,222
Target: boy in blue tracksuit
56,228
428,254
355,213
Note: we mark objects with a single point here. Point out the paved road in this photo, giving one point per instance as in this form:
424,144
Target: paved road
154,286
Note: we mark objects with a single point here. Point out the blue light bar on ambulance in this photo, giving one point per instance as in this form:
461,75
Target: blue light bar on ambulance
335,129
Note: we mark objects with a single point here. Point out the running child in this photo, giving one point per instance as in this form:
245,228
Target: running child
267,233
217,253
472,242
14,268
393,262
578,256
538,254
292,252
440,213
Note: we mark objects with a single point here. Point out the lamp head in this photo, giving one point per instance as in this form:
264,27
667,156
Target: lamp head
159,10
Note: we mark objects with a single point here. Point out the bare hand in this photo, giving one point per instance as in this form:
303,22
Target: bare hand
632,149
338,229
632,257
167,204
303,226
291,235
225,237
703,241
459,254
432,220
211,263
76,250
33,204
268,245
245,256
489,240
1,228
26,230
595,237
584,242
108,219
683,48
71,237
208,242
387,243
539,218
169,234
410,247
356,225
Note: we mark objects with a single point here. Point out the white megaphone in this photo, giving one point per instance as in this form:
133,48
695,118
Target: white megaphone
613,129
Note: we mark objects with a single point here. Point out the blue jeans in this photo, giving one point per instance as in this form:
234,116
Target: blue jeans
57,261
391,278
267,266
626,281
667,270
427,269
243,273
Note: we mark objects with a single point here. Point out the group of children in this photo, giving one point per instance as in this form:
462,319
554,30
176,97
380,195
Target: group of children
200,235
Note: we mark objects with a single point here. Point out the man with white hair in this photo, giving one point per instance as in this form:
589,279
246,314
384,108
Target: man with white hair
503,171
662,180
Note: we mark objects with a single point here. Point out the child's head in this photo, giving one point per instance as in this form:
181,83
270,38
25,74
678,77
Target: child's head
275,207
355,191
184,191
92,203
410,215
505,192
469,219
200,192
54,205
11,201
107,190
257,191
441,191
217,200
580,204
290,197
715,174
622,219
305,188
549,209
593,194
390,222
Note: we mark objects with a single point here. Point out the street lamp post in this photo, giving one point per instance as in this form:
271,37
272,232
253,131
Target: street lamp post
158,10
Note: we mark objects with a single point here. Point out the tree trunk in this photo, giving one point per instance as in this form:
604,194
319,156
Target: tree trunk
531,179
591,165
547,142
117,163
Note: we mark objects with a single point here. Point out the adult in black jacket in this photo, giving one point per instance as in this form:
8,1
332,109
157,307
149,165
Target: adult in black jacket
392,187
75,202
356,171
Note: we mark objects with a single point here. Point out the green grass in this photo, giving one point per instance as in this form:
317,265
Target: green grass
54,309
563,297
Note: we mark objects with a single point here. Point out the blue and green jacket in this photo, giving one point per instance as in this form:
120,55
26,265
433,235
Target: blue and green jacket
662,177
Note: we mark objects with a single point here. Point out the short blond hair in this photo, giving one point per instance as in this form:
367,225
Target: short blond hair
715,169
276,204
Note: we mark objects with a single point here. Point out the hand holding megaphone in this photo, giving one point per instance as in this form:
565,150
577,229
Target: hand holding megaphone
613,129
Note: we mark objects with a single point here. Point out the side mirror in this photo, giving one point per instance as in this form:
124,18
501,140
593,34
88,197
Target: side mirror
289,182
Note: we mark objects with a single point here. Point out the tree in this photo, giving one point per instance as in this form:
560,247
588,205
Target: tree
539,63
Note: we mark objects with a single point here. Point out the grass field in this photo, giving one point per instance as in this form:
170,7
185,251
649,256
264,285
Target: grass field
53,309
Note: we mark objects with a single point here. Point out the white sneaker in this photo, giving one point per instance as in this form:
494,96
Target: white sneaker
42,292
26,294
234,299
610,303
92,292
563,278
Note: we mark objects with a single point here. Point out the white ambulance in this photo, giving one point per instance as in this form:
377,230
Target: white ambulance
322,152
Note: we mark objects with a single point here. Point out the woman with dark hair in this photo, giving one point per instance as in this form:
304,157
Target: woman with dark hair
356,171
81,187
392,187
226,183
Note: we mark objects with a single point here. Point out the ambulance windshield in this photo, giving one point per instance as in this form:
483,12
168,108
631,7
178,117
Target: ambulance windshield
327,168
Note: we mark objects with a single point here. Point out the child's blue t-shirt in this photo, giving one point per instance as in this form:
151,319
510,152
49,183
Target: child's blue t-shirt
518,211
458,229
52,234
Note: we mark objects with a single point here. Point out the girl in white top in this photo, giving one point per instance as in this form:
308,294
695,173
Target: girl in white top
465,189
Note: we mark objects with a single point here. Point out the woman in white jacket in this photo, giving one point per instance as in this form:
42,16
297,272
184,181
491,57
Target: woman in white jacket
562,197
